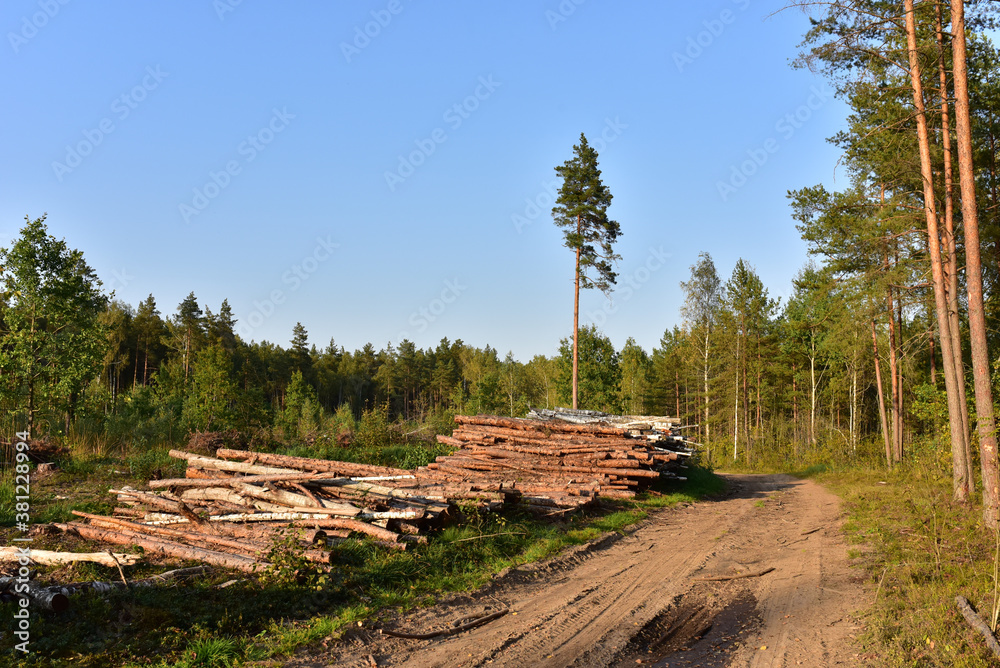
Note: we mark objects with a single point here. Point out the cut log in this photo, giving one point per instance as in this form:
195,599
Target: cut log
215,482
40,597
202,462
309,464
538,425
353,525
49,558
164,547
203,540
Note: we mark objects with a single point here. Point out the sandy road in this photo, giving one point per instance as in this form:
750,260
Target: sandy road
645,598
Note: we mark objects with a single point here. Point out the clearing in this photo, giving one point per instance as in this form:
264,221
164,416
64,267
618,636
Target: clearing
648,598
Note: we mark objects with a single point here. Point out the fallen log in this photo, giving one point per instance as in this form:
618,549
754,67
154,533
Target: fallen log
164,547
172,505
49,558
202,462
352,525
215,482
976,622
202,540
309,464
39,597
538,425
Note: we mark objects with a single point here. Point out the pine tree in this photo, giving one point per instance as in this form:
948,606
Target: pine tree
581,211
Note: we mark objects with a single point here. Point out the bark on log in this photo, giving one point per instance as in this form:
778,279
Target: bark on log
202,462
50,558
216,482
202,540
40,597
170,505
353,525
309,464
166,548
978,624
539,425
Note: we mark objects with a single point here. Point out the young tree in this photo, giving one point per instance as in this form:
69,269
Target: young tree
636,368
211,396
703,296
599,368
301,359
51,343
581,211
150,331
188,330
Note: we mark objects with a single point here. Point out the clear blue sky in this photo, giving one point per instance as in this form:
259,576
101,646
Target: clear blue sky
382,169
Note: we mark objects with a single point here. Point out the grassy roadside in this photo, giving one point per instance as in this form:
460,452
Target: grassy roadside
204,624
919,551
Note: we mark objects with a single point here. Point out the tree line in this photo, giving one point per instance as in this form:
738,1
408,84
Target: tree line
879,354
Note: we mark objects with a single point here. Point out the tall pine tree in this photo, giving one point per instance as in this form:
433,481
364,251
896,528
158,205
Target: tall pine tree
581,210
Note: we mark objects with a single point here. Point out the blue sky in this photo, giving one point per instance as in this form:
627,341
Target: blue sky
385,169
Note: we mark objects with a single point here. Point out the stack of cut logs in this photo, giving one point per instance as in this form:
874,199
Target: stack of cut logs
229,510
554,463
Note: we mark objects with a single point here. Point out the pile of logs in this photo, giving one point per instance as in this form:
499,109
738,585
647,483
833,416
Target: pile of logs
229,510
552,463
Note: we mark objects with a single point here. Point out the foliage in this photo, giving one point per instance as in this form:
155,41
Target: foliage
600,373
51,339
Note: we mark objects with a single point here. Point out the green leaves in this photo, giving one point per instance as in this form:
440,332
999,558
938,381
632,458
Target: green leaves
51,341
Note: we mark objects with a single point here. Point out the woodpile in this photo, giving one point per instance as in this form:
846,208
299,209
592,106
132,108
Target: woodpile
552,463
229,510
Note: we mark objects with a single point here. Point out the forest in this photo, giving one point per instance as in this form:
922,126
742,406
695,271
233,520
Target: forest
877,376
869,359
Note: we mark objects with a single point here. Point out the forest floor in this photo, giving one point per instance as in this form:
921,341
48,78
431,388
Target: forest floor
645,596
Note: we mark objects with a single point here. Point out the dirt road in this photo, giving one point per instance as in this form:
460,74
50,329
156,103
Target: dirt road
647,598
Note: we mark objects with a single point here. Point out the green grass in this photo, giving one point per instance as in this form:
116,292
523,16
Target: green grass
199,624
917,550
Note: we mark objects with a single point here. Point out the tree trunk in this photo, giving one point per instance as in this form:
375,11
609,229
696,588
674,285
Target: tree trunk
795,412
736,406
677,393
576,323
959,465
705,379
812,385
974,276
854,408
950,267
881,399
